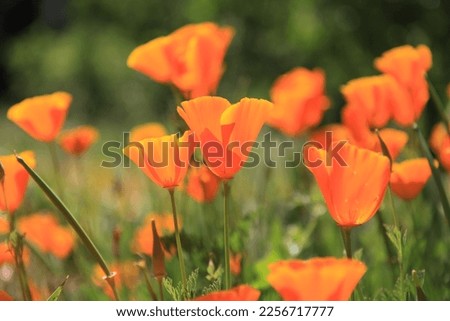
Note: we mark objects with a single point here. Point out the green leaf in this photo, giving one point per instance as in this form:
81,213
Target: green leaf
55,295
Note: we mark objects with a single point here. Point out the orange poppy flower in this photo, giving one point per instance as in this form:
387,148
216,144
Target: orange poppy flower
190,58
409,177
327,135
299,101
44,231
440,144
317,279
4,226
226,132
352,180
15,180
41,117
127,273
143,238
235,263
165,160
372,96
5,296
408,65
78,140
238,293
148,130
202,184
394,139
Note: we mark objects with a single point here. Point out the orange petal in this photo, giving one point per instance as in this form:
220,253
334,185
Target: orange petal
41,117
202,185
78,140
238,293
409,177
5,296
394,139
147,130
317,279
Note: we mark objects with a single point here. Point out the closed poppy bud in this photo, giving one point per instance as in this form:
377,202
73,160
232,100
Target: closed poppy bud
159,268
317,279
299,101
408,65
78,140
190,58
352,180
238,293
409,177
15,180
41,117
165,160
202,184
148,130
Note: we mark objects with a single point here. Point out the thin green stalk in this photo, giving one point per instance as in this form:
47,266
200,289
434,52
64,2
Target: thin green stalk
391,201
226,241
389,252
346,237
90,246
439,106
435,172
57,168
147,281
178,241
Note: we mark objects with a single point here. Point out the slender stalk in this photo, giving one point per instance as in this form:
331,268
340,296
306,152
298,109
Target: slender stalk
178,240
87,242
57,168
389,253
391,201
435,172
141,265
226,241
439,106
346,237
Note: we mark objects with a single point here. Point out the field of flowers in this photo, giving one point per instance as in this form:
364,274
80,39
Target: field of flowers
232,199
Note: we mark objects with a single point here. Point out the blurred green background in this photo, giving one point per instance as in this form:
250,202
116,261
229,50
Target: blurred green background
82,46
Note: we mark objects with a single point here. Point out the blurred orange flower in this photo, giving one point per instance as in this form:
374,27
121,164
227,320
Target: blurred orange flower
440,144
6,254
5,296
371,96
235,263
147,130
43,230
4,226
78,140
127,274
238,293
41,117
352,180
299,101
325,136
15,180
190,58
317,279
408,65
226,132
143,237
409,177
165,160
202,184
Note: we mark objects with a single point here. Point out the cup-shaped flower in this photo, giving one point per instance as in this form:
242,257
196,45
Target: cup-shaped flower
352,180
317,279
78,140
15,180
202,185
226,132
440,144
44,231
165,160
190,58
41,117
409,177
147,130
299,101
239,293
408,65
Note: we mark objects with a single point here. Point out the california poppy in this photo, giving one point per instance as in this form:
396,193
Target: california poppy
202,185
394,139
226,132
352,180
15,180
408,65
299,101
41,117
325,136
164,160
409,177
44,231
238,293
143,237
317,279
147,130
440,144
190,58
78,140
372,96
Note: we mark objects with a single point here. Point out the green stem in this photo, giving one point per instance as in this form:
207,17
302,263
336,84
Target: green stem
439,106
90,246
391,201
435,172
226,241
346,237
57,168
178,241
148,283
389,253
